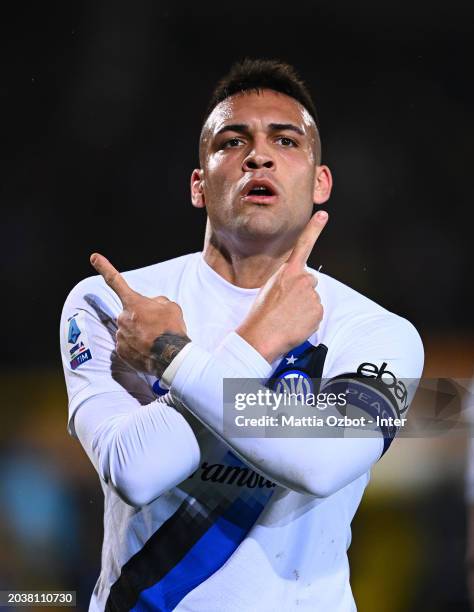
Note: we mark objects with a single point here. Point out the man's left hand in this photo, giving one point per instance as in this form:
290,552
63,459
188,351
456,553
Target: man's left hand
151,331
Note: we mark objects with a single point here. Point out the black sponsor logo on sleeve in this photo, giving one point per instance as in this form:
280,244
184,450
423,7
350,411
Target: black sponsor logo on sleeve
381,375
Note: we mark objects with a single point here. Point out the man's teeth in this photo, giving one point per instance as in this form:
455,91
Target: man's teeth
260,190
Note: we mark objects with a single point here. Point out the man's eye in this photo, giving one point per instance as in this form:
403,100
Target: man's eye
286,142
232,142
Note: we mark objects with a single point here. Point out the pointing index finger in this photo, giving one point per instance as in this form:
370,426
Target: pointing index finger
305,243
113,278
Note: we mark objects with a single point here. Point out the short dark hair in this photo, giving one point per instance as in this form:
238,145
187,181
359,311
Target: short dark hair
258,74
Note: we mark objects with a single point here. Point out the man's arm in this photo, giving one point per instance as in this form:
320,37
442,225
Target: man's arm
285,313
141,451
317,466
140,446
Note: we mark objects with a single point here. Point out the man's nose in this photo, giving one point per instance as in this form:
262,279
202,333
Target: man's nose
258,158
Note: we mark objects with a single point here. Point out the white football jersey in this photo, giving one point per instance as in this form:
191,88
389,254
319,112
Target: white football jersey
223,537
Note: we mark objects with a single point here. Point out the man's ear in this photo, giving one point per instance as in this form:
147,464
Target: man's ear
322,184
197,188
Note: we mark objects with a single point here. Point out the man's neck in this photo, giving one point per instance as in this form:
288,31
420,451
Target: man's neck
244,269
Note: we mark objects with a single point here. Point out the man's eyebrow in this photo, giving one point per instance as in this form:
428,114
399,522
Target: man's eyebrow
281,127
243,128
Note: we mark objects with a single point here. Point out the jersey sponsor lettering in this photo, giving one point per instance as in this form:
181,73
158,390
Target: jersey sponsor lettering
240,475
396,387
378,392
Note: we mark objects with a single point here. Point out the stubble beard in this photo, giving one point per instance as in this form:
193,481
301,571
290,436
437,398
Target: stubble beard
257,224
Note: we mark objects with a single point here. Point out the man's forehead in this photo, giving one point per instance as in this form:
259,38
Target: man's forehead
265,106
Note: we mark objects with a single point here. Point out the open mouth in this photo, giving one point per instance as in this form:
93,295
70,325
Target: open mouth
260,192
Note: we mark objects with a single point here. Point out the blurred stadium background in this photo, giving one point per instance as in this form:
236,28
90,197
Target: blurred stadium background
102,105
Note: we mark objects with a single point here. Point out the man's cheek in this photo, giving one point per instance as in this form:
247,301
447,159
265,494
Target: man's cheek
211,163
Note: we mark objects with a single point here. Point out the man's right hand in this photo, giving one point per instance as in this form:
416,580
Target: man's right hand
287,309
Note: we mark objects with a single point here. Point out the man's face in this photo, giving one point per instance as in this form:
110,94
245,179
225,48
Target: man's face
259,176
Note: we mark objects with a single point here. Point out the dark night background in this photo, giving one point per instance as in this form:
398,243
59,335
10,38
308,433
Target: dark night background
101,110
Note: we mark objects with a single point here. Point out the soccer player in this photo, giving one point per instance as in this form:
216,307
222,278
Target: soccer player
195,519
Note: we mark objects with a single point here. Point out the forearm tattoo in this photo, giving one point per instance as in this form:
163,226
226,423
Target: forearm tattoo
164,350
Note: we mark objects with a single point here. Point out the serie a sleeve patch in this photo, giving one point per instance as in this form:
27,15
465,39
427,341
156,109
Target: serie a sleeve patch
77,343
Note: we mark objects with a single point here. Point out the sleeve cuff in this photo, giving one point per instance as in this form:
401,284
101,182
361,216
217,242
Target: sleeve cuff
170,372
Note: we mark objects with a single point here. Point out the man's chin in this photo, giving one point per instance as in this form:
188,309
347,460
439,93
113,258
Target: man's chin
261,224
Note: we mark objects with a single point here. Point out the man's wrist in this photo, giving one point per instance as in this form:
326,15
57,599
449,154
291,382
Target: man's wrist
236,354
164,350
259,342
